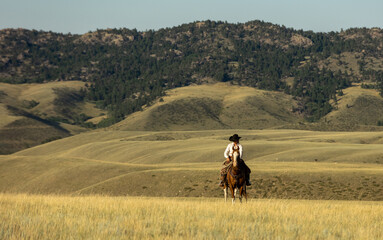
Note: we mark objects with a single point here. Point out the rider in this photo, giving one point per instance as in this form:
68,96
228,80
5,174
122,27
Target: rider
228,162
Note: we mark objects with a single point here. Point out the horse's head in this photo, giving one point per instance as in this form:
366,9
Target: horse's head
235,158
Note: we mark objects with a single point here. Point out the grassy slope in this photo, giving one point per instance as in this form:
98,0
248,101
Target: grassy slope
23,125
44,94
285,163
203,107
224,106
357,110
358,106
217,106
100,217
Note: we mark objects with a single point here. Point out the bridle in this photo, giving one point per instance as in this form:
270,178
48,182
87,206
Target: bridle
235,149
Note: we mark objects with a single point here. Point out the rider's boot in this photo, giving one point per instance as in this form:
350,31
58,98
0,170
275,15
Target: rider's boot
248,183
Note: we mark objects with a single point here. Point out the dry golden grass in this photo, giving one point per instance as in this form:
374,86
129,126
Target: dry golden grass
98,217
191,146
6,118
44,94
285,164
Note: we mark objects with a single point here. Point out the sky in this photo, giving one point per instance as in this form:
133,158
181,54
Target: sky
81,16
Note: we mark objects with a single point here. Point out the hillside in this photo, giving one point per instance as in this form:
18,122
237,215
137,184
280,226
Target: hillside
357,107
127,69
285,163
32,114
214,106
226,106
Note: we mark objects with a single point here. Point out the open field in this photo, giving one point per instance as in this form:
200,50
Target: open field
291,164
99,217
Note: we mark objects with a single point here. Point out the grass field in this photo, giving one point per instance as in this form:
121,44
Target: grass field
288,164
117,183
100,217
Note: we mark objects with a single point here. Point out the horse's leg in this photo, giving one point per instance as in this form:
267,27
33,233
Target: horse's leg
240,194
232,194
235,193
225,191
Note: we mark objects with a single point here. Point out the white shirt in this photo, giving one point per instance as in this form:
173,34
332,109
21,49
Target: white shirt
229,150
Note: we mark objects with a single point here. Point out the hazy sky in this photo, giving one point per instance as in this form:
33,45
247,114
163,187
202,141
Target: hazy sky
80,16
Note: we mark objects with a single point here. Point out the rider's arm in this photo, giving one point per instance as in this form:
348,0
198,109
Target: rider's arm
227,151
240,151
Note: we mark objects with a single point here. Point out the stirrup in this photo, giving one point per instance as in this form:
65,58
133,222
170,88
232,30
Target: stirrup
248,183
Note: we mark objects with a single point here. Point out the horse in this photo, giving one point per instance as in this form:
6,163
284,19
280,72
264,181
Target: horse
236,179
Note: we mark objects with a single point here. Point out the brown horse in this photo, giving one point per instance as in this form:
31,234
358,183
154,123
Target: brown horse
236,178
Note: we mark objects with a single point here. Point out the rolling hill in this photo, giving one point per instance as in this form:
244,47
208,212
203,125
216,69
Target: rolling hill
32,114
227,106
36,113
285,164
214,106
357,107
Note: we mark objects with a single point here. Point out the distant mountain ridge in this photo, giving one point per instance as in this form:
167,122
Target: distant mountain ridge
127,69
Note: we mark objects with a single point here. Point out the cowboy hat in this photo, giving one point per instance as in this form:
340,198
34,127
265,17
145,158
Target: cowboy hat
235,137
